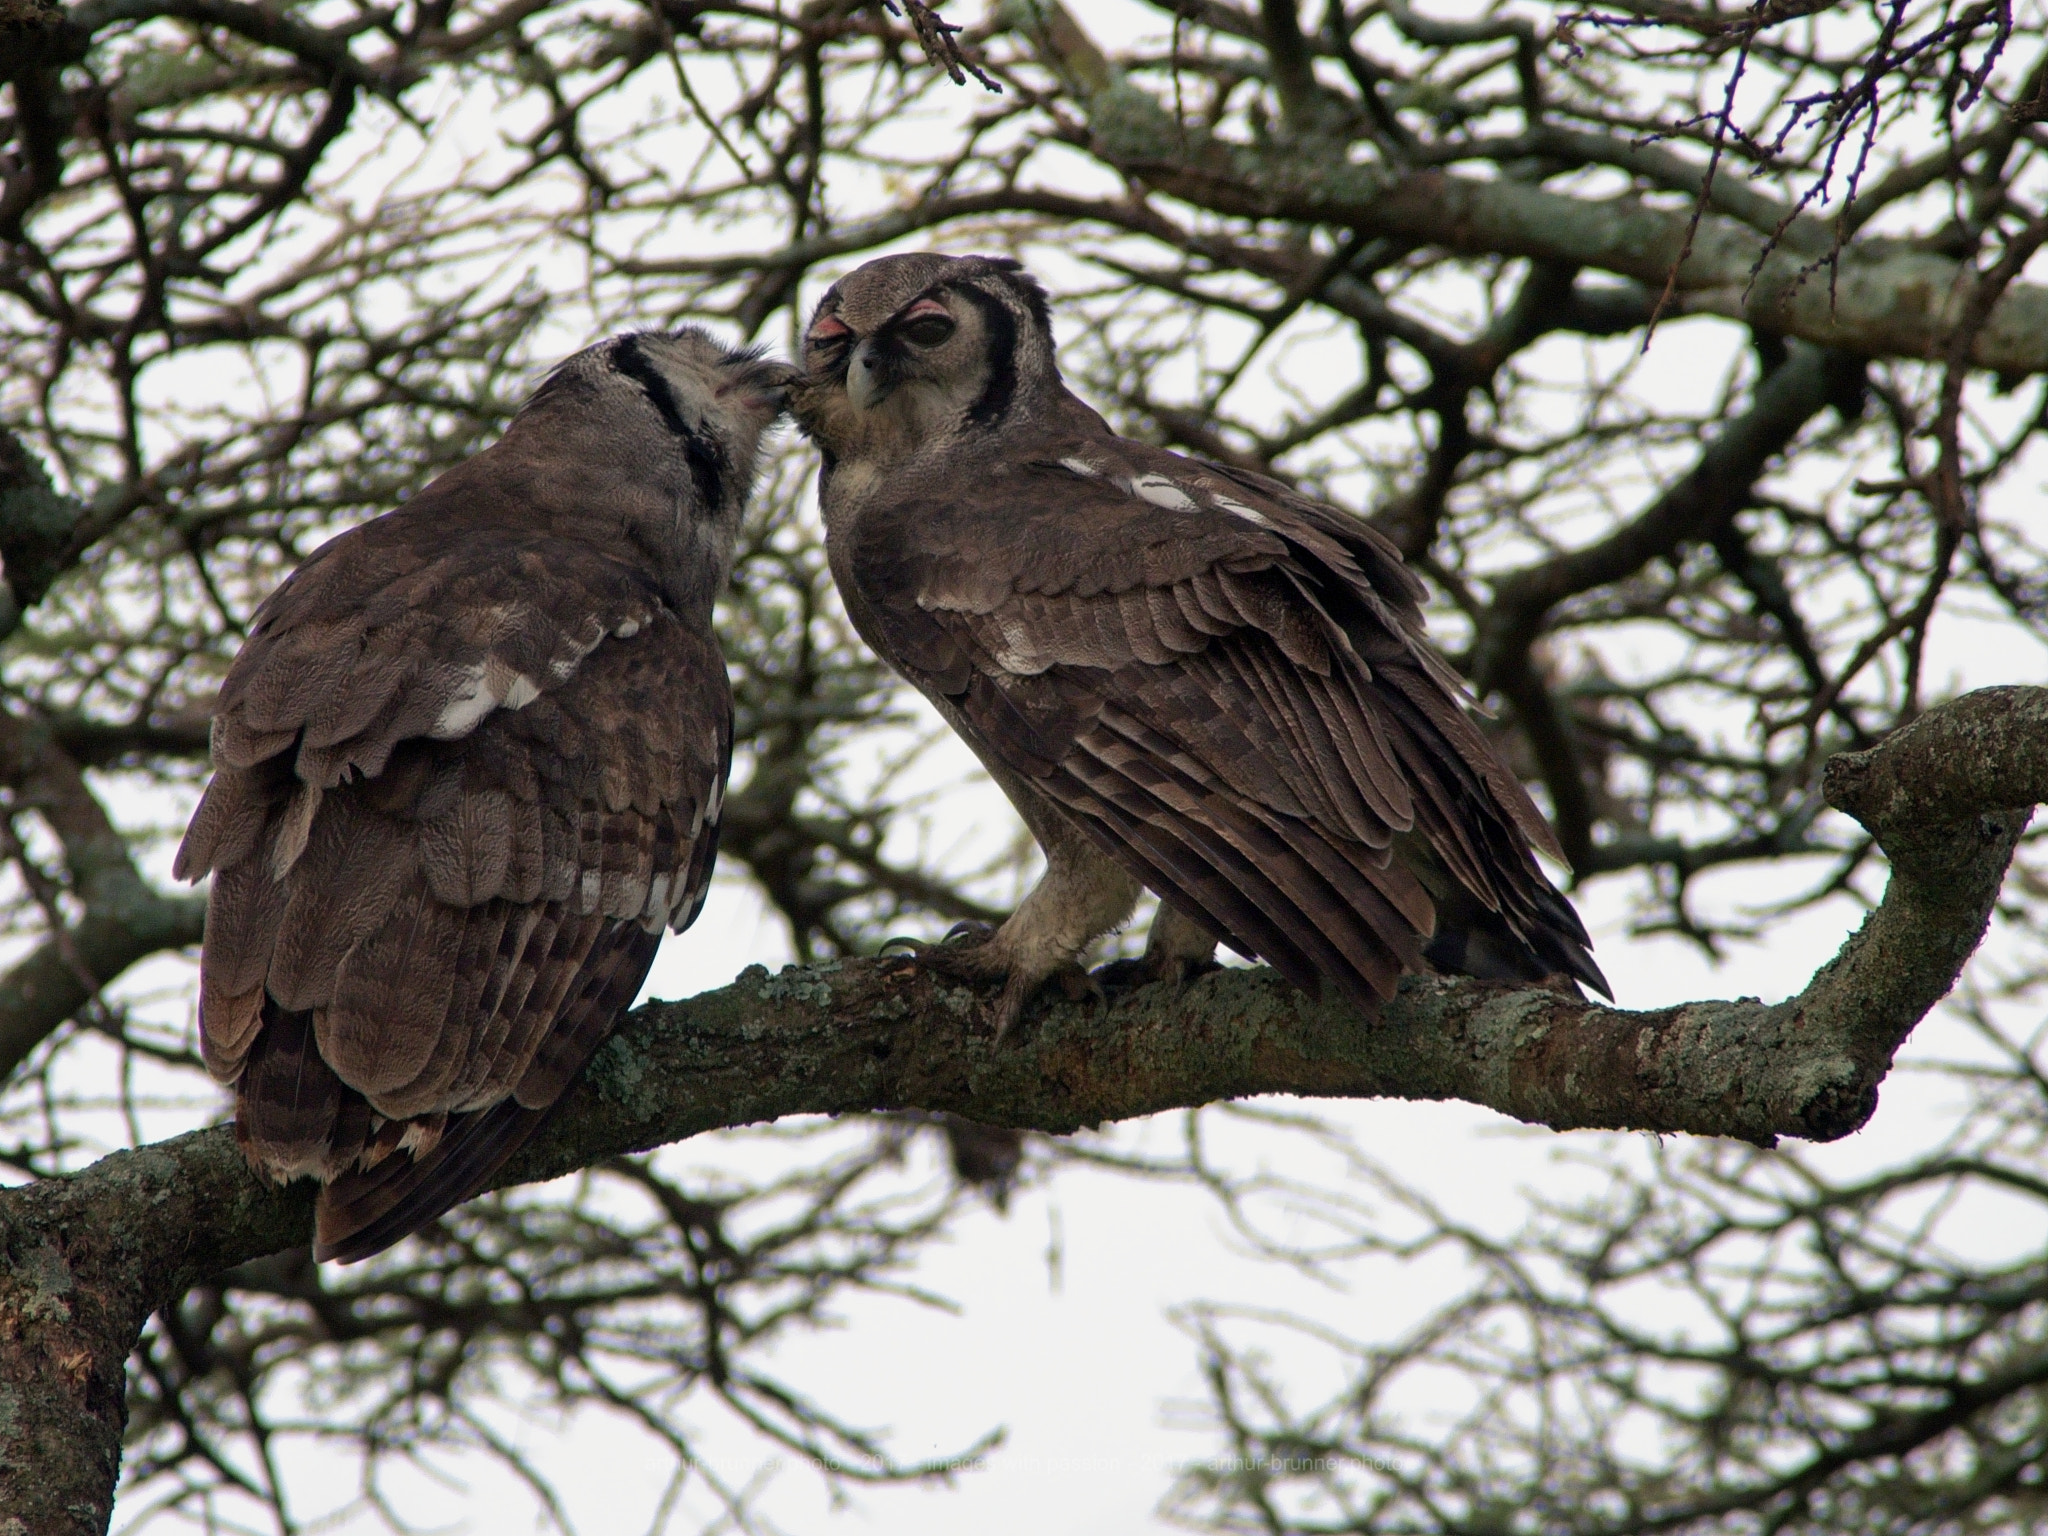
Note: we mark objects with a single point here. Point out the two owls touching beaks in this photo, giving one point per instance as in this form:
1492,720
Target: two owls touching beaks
470,761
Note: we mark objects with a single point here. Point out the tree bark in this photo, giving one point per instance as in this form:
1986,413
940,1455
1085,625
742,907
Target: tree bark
84,1260
38,530
1881,298
125,918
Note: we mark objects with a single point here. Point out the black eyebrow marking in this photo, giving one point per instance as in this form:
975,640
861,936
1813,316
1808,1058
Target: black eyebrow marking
1001,387
631,359
706,456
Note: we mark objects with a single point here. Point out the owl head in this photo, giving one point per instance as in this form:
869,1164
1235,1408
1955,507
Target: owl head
674,404
911,350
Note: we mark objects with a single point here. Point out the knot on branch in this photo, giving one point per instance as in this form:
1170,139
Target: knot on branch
1839,1107
1985,753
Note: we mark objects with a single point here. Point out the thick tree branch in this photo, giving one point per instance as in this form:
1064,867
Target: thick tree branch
39,531
185,736
125,918
324,50
1884,299
85,1260
1287,49
45,988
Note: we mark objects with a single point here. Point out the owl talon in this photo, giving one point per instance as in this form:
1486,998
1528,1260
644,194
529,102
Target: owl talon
967,955
1008,1008
1075,983
944,955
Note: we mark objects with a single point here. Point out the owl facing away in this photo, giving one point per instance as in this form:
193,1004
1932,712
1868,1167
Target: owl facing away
468,766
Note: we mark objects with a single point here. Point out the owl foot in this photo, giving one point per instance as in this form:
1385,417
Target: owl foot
972,952
911,953
953,956
1023,985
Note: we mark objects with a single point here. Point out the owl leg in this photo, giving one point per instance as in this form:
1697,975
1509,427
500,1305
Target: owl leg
1177,949
1081,896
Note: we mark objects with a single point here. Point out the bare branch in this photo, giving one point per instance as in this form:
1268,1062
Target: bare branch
91,1256
1886,300
125,919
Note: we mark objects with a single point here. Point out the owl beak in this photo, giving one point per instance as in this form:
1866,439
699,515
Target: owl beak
868,381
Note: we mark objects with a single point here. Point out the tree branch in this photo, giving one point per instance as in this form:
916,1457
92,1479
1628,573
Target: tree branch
1293,72
1692,510
1885,299
185,737
125,918
39,531
89,1257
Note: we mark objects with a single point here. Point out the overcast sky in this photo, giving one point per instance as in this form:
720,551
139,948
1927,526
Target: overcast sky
1064,1334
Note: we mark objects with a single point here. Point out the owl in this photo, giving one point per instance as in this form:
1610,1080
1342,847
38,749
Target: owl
1184,676
467,768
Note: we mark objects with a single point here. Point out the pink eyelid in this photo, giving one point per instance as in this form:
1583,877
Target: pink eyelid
829,328
926,307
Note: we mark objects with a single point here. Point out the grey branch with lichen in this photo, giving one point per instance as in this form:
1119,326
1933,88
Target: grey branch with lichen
89,1257
1871,297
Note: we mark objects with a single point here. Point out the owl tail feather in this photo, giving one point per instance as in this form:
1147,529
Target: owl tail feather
1470,940
365,1209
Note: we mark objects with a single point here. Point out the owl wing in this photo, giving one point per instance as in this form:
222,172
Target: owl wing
464,779
1227,684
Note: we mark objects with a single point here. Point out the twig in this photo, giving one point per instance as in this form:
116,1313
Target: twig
940,41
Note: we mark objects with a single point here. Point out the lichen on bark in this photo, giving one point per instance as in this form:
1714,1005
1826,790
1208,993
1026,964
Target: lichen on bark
84,1260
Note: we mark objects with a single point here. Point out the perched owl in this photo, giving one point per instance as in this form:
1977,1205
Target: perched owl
1184,676
467,768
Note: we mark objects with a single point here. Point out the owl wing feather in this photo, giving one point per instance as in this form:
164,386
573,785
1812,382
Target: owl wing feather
465,776
1227,684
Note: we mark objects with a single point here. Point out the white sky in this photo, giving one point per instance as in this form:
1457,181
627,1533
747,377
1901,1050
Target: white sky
1083,1368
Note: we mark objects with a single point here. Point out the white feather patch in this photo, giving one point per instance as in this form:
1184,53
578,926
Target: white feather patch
1018,653
630,900
1162,492
420,1138
627,628
571,657
1239,509
473,699
592,888
483,688
1082,467
696,906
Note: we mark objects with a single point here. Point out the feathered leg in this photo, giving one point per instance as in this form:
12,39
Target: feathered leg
1082,895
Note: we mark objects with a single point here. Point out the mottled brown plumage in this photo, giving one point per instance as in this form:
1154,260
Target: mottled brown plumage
467,767
1183,675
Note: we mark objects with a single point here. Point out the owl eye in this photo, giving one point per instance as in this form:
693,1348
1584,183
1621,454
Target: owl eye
828,332
927,330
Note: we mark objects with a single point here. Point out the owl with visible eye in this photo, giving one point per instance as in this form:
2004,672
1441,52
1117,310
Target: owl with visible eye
467,769
1184,676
